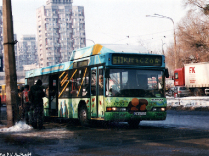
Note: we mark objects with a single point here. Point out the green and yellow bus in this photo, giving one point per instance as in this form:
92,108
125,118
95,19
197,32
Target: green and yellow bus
101,84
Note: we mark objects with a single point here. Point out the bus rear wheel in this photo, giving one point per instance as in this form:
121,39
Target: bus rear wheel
83,116
133,123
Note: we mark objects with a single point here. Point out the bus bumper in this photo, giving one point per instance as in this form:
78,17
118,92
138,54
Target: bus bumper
126,116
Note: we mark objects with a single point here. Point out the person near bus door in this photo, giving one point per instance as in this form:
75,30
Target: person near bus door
35,96
25,104
20,103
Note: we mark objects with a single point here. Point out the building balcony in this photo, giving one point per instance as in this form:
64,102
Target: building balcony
82,36
69,21
82,21
63,50
75,26
55,16
48,45
55,35
76,35
48,16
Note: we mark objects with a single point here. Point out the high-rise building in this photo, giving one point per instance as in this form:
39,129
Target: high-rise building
60,30
26,51
1,32
1,37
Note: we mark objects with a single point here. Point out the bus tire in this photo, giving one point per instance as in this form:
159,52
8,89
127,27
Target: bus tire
83,118
133,123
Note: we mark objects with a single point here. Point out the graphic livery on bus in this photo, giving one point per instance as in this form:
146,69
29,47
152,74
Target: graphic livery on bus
101,84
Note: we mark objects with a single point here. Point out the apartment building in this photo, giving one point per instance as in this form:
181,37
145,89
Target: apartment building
1,32
60,30
26,52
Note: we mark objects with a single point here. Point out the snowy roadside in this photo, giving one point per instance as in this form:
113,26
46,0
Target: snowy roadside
188,103
18,127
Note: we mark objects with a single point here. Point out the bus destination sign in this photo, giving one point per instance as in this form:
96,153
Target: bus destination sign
139,60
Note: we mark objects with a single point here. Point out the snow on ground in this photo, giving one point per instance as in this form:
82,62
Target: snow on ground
192,101
18,127
22,129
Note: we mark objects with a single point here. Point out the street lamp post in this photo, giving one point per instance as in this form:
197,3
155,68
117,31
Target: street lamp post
91,40
174,34
162,46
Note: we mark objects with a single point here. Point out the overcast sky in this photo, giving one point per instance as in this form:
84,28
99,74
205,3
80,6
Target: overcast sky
111,21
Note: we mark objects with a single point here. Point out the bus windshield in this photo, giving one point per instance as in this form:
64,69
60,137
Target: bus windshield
135,83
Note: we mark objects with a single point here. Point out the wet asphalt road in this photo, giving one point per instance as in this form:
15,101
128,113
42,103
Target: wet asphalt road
182,133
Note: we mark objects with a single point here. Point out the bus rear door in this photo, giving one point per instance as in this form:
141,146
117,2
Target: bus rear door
53,95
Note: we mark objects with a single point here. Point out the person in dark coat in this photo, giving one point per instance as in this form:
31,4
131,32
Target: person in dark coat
35,96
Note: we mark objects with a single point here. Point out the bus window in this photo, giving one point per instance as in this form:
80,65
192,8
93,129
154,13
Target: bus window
93,82
101,90
85,83
80,83
134,82
65,84
45,83
141,81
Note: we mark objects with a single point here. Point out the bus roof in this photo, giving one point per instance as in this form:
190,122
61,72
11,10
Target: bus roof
97,52
89,51
98,49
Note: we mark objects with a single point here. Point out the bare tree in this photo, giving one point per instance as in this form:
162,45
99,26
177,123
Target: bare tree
192,35
197,5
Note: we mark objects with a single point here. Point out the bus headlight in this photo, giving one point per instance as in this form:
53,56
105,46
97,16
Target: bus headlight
163,109
159,109
116,109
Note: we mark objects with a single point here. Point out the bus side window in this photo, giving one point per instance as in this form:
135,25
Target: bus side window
86,87
75,84
100,81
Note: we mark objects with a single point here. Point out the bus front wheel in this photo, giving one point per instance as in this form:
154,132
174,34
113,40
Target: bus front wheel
83,116
133,123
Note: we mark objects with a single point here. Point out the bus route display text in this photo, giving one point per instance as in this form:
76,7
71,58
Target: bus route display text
140,60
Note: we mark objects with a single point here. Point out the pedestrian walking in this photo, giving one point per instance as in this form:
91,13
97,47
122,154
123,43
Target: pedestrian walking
35,96
25,104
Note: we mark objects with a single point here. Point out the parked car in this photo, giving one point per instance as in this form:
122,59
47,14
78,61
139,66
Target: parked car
170,92
181,91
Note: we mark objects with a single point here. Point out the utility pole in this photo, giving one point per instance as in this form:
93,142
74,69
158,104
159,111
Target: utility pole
174,36
10,68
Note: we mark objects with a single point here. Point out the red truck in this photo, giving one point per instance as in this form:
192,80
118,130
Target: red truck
194,76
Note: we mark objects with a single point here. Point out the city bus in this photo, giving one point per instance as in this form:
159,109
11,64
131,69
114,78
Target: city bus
98,83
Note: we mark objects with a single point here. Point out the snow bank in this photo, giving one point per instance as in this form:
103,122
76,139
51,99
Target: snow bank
188,102
18,127
198,103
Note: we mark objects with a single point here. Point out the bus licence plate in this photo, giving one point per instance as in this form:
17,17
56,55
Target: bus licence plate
139,113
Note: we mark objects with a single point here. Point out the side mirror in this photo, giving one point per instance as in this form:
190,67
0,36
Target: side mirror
107,73
166,73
